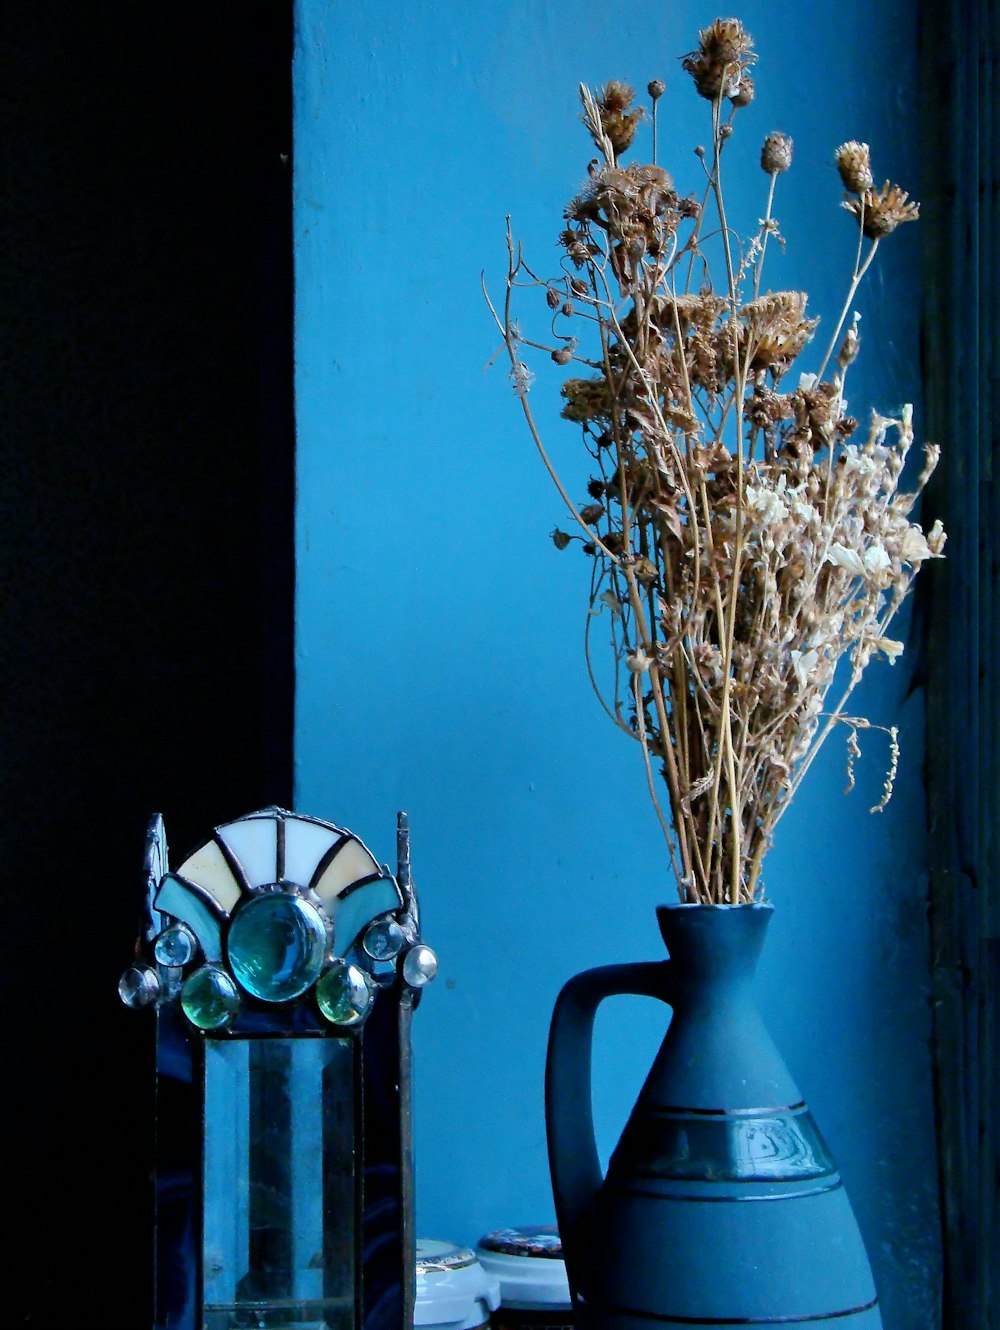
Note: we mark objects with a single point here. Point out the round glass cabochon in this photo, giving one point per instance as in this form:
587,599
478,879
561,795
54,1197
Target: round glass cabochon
276,946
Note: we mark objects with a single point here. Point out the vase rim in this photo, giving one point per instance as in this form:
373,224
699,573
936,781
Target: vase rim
716,905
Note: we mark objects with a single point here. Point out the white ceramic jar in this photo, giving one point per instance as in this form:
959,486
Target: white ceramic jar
534,1292
454,1292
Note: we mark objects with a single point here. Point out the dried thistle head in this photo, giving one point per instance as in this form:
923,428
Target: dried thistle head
587,400
880,211
744,93
618,121
774,329
776,154
656,88
725,52
854,164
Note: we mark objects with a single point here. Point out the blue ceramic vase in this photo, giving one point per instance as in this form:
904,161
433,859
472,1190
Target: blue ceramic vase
722,1205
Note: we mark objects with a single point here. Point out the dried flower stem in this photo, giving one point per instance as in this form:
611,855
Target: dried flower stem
742,543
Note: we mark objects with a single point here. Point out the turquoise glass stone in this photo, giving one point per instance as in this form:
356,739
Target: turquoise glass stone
276,946
343,994
209,998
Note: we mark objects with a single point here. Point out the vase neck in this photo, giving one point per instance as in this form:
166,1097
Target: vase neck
714,943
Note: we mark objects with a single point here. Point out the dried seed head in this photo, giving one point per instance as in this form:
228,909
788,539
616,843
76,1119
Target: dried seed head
617,121
656,88
562,355
552,297
725,51
560,539
776,154
772,329
744,93
615,96
854,164
850,345
880,211
591,513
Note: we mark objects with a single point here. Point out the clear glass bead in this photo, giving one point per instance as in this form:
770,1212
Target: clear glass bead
419,965
175,946
384,939
138,986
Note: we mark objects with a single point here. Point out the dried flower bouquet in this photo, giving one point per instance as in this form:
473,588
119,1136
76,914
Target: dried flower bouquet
744,536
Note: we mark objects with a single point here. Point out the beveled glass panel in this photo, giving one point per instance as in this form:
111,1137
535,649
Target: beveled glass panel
209,869
350,863
254,842
280,1249
305,845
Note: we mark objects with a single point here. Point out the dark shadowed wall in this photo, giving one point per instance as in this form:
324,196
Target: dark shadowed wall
146,486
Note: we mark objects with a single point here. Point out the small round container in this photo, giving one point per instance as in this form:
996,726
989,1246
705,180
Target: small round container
454,1292
534,1292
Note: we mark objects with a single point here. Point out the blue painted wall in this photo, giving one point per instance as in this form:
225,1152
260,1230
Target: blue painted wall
439,632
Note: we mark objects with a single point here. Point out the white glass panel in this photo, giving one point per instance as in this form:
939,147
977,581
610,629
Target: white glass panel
254,842
305,845
352,862
209,869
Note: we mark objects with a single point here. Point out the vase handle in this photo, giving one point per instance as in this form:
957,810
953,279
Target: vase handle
569,1119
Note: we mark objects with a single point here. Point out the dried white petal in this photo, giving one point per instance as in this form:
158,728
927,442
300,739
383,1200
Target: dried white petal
889,648
638,662
846,558
936,538
913,548
876,559
766,505
803,663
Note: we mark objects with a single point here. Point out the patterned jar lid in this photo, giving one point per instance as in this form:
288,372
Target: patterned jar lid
528,1240
525,1283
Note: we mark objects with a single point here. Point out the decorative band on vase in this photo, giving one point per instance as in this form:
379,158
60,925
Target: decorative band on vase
684,1146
